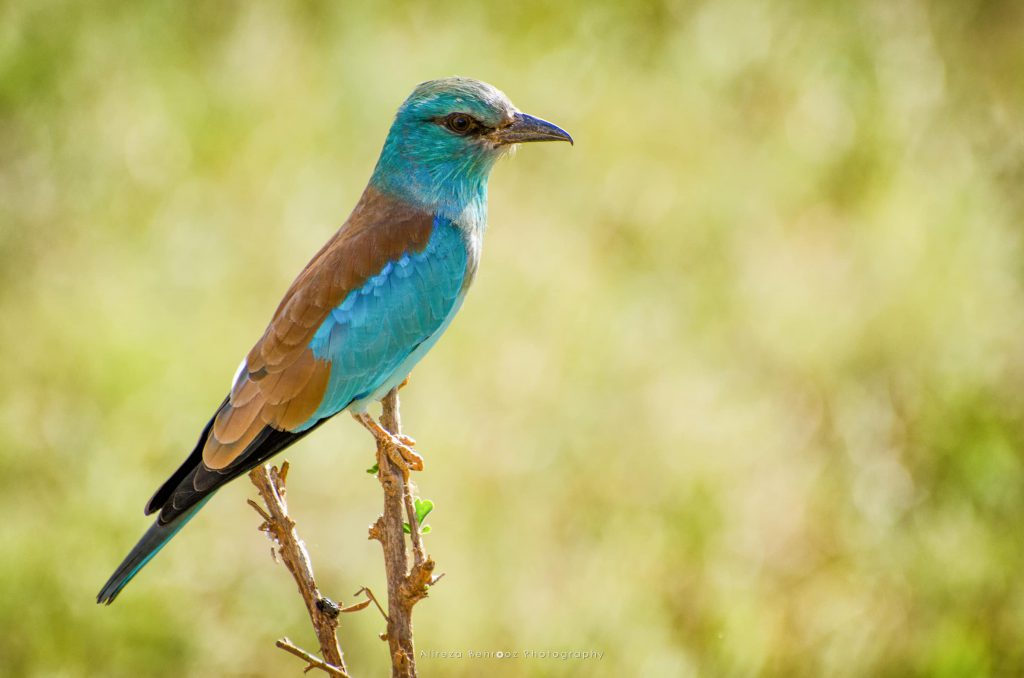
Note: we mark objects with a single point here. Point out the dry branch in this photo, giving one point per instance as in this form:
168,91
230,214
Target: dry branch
406,585
312,661
279,526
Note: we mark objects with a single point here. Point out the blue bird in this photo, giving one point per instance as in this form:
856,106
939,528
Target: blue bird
367,307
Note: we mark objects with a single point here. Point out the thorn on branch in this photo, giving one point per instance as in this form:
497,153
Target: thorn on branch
377,530
263,514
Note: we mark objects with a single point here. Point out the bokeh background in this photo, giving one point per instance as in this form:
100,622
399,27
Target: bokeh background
738,391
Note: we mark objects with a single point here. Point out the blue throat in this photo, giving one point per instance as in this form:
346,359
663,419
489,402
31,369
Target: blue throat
446,176
454,188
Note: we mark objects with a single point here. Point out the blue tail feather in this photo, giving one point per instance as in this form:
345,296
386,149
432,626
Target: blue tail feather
185,492
150,544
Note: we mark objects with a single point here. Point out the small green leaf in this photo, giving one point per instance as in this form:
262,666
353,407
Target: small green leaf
423,508
373,470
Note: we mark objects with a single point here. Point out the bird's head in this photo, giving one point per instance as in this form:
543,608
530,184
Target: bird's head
446,138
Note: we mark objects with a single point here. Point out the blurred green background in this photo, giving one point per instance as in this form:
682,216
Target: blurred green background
738,391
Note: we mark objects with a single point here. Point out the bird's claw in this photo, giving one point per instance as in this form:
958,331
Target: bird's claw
398,447
403,456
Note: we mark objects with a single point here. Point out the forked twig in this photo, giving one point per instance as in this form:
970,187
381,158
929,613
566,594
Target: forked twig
407,582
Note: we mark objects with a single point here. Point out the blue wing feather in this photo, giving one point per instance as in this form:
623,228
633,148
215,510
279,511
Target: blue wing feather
384,327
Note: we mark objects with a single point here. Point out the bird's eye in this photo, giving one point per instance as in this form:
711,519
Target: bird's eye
460,123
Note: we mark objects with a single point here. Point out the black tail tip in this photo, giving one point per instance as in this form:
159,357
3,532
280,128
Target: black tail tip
107,594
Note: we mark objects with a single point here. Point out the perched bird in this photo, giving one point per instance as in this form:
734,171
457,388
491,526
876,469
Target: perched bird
367,307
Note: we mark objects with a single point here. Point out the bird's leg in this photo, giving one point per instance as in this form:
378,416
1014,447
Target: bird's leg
406,457
408,440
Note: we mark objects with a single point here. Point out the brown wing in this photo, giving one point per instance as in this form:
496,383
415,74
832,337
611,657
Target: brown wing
281,383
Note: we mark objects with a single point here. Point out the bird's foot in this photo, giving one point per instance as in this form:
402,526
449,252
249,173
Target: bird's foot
398,447
405,457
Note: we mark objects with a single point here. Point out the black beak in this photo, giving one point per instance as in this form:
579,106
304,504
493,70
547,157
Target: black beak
526,128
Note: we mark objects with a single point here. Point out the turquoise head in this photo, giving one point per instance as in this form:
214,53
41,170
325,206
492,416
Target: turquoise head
444,141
